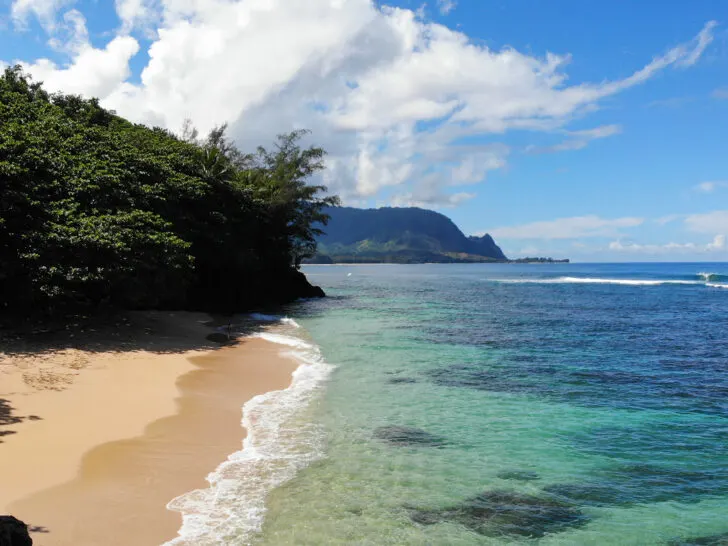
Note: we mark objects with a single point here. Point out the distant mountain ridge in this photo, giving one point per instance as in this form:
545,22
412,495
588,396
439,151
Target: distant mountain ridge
399,235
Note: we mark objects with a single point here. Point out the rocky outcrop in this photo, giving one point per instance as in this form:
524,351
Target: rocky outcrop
14,532
408,437
499,513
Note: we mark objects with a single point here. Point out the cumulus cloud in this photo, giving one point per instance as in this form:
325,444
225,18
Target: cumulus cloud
136,14
576,227
46,11
391,96
94,72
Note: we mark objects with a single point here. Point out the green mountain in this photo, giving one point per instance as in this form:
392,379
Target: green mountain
399,235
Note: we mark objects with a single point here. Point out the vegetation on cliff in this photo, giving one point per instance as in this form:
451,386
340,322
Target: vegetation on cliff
95,210
400,235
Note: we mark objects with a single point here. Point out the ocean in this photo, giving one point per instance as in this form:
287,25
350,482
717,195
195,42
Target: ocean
553,404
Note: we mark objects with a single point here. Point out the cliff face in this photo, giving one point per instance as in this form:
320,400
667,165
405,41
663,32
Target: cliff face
400,235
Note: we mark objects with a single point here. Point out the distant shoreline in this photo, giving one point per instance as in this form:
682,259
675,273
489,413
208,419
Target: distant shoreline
518,261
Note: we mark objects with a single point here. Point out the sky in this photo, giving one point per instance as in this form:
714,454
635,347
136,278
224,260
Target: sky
594,130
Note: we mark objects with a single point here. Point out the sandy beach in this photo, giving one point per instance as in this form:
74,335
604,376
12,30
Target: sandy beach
98,435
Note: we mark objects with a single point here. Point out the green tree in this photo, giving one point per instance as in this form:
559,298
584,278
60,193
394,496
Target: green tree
279,177
95,210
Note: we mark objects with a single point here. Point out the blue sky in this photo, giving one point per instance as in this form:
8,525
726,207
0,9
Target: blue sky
591,130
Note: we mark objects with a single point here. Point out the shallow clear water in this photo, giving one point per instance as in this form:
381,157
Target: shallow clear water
499,404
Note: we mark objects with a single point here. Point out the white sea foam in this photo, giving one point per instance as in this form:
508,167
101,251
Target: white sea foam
594,280
274,318
710,276
717,285
279,443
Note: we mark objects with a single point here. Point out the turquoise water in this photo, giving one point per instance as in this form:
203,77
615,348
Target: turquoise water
568,404
488,404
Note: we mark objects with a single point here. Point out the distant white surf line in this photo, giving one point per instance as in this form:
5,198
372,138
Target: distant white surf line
717,285
277,446
594,280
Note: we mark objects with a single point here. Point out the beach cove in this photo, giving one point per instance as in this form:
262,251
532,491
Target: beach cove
98,435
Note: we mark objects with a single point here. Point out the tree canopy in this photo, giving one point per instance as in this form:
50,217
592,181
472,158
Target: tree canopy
96,210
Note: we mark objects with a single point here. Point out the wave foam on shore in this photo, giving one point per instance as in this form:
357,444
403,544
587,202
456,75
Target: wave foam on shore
279,443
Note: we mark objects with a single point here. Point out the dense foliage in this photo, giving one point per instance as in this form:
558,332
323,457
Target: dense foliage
97,210
400,235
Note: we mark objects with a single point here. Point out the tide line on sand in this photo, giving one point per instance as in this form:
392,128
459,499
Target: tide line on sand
96,441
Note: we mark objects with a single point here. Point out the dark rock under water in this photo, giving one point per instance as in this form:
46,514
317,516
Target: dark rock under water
714,540
497,513
643,483
14,532
518,475
401,380
408,437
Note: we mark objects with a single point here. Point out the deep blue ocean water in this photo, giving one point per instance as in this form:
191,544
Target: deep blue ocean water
513,404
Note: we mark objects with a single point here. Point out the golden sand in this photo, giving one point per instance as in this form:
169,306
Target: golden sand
95,443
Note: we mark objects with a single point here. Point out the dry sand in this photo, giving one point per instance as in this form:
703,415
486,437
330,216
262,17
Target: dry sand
96,438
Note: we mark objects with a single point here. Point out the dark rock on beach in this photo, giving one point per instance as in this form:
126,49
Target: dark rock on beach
218,337
14,532
497,513
408,437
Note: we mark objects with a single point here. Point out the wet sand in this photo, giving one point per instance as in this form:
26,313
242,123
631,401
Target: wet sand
95,457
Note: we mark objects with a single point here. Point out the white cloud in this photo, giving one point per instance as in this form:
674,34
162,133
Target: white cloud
71,36
389,95
619,246
46,11
431,201
567,228
710,222
721,93
577,139
717,244
710,187
692,52
446,6
135,13
664,220
94,72
672,102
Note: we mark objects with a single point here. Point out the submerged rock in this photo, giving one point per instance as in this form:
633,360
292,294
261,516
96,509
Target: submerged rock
715,540
14,532
518,475
496,513
401,380
408,436
590,494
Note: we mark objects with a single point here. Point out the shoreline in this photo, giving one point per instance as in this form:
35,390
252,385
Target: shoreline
96,444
